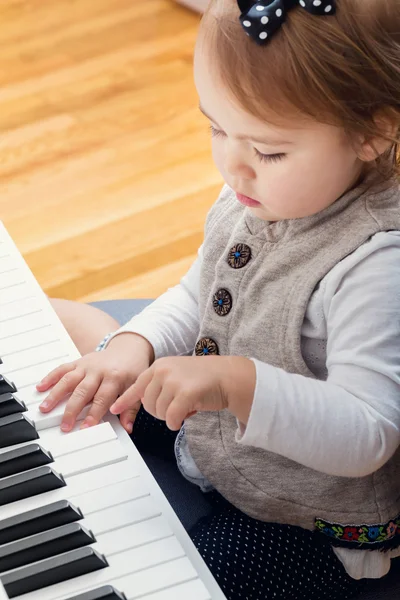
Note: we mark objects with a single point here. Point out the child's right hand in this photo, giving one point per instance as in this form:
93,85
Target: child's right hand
99,377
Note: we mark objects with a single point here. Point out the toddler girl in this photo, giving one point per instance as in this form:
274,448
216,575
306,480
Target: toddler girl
277,357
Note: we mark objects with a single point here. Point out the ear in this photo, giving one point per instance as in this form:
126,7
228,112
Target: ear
388,129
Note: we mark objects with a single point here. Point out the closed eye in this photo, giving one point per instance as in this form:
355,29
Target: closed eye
216,132
270,157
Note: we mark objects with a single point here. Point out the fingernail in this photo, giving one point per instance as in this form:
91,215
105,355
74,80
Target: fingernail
112,409
65,427
129,428
88,422
44,405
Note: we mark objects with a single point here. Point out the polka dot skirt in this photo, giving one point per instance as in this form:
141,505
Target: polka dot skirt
250,559
253,560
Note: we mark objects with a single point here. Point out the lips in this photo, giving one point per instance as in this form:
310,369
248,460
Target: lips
246,200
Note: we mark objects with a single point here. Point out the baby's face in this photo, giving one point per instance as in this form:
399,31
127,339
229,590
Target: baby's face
294,169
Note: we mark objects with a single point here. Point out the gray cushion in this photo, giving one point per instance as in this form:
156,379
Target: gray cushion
188,501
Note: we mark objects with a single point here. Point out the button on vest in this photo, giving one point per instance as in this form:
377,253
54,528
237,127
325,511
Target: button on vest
222,302
206,346
239,256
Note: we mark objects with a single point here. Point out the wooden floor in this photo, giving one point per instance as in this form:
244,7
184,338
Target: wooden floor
105,166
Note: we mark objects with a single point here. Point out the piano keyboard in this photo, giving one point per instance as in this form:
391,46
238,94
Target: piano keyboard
81,517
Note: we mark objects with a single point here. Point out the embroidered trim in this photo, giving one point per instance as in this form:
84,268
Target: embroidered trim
384,536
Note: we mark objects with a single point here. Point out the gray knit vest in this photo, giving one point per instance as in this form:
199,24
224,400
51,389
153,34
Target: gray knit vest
256,282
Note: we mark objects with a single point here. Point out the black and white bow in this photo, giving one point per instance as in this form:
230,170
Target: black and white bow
261,19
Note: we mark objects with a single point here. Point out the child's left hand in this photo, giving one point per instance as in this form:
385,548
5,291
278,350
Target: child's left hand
175,388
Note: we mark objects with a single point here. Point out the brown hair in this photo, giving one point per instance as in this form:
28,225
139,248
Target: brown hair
342,69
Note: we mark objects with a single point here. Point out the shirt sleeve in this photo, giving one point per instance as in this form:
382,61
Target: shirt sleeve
348,425
171,323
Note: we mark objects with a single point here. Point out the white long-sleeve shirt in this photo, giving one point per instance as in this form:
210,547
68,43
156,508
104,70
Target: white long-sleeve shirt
346,422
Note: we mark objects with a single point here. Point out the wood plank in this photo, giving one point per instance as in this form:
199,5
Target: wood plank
106,173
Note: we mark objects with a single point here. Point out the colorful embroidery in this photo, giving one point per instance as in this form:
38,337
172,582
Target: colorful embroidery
382,536
205,347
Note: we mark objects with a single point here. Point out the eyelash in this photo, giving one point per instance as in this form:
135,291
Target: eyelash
269,157
262,157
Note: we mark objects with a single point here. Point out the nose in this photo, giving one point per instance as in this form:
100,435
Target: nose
237,166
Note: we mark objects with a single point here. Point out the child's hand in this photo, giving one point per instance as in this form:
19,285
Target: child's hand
173,389
99,377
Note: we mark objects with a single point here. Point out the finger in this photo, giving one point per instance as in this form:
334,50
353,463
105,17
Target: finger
128,417
63,388
54,376
163,400
82,395
179,409
133,394
150,398
106,394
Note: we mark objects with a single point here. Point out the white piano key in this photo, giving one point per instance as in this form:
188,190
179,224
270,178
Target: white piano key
65,444
156,579
79,440
14,289
137,560
95,503
152,580
134,535
25,341
37,353
48,437
89,459
7,261
53,418
112,495
126,527
192,590
130,512
23,323
33,374
76,486
14,293
19,308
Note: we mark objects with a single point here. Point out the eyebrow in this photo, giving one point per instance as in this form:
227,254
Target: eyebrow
246,137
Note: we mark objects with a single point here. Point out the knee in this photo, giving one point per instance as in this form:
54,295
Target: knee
87,325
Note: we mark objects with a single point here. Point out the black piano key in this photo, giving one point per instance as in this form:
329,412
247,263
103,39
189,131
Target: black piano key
51,571
16,429
107,592
37,520
44,545
23,459
6,385
9,405
29,483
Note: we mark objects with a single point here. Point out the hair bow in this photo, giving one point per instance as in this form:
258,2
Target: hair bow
261,19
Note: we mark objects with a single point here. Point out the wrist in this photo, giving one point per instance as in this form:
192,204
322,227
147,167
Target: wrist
240,382
128,341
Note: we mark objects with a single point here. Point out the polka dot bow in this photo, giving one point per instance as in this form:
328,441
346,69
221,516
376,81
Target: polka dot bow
261,20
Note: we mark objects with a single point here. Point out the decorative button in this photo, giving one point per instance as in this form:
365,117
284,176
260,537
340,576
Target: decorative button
222,302
206,347
239,256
